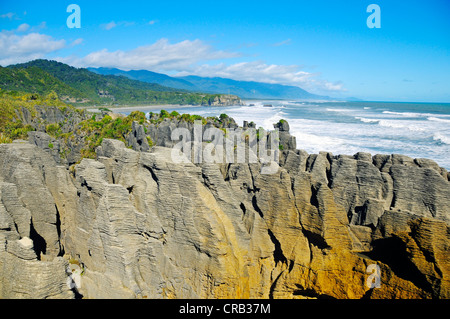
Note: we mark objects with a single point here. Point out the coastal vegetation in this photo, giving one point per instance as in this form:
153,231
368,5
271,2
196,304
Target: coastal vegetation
88,130
12,104
96,130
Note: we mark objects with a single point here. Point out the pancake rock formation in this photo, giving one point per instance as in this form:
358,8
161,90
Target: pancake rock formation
134,224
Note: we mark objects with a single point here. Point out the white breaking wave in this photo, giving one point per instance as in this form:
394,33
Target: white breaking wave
268,122
396,124
436,119
347,130
405,114
366,120
339,110
314,143
441,138
413,114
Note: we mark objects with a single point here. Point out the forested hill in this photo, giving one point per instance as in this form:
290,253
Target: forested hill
80,86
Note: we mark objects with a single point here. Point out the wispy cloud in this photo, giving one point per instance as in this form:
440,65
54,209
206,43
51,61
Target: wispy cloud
9,15
285,42
39,27
76,42
23,27
109,25
337,86
113,24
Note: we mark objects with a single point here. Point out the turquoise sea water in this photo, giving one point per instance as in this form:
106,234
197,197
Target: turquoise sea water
419,130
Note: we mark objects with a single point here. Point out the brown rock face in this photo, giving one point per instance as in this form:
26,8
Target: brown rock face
141,226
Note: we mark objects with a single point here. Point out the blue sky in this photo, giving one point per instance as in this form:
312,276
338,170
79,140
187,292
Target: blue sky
323,46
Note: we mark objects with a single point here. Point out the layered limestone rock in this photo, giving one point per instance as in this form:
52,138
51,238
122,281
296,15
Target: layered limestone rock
158,231
138,225
374,222
225,100
31,265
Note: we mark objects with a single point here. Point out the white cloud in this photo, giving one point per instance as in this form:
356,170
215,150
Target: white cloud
259,71
108,26
23,27
190,57
253,71
336,86
40,26
113,24
26,43
9,15
23,48
76,42
285,42
183,58
160,56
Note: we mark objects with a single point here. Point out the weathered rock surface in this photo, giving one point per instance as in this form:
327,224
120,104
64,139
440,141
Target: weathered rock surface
225,100
30,249
141,226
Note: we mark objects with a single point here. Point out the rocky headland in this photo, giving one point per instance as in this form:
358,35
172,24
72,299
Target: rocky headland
138,225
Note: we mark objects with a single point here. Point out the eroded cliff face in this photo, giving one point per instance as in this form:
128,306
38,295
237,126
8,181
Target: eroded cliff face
141,226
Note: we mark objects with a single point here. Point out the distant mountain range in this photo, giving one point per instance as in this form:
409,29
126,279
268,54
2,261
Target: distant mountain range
109,86
149,77
243,89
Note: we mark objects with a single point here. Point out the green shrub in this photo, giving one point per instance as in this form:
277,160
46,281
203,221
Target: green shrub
53,129
150,141
164,114
186,117
196,118
4,139
174,114
16,130
213,118
106,119
137,116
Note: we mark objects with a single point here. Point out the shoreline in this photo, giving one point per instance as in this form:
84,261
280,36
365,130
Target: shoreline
143,108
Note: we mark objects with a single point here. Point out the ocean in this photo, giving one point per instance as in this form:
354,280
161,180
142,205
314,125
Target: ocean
419,130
